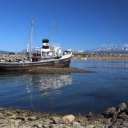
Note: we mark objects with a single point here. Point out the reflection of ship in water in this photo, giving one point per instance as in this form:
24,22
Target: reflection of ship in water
49,82
44,87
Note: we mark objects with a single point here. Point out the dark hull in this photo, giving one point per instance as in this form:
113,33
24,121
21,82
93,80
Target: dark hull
11,66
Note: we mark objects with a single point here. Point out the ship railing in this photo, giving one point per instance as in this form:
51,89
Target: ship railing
50,57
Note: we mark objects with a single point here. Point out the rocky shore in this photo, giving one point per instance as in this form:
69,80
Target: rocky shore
113,117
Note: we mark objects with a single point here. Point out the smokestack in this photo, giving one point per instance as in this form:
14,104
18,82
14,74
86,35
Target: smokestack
45,44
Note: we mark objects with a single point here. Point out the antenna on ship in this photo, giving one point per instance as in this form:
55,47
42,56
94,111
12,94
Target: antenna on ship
53,30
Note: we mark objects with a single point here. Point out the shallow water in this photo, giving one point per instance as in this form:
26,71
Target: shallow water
68,93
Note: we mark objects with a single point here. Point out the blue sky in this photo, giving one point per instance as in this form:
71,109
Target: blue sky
79,24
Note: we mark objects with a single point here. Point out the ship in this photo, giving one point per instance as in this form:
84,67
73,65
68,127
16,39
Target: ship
46,56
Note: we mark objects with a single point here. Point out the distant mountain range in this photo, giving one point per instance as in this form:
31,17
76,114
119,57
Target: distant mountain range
3,52
106,50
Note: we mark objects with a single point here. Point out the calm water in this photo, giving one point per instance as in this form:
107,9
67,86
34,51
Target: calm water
68,93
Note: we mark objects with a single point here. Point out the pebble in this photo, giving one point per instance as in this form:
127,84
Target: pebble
1,109
56,119
32,118
48,121
90,115
125,124
76,124
90,126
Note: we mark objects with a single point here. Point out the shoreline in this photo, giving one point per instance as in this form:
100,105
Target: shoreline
113,117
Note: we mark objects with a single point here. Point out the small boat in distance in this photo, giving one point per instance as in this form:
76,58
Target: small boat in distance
46,56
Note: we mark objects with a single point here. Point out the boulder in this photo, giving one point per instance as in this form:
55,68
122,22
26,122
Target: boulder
122,107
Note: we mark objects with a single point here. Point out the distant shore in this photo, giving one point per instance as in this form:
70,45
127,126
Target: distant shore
75,56
94,55
113,117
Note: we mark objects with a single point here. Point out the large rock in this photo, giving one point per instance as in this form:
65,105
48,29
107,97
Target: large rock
109,112
68,118
122,107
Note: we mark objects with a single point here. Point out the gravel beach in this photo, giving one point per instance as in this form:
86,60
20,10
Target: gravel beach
113,117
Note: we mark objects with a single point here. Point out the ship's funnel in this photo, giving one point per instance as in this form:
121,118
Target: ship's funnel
45,44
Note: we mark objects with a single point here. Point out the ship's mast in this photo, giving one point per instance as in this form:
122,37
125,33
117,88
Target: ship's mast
31,37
